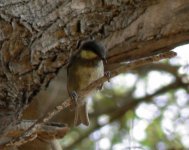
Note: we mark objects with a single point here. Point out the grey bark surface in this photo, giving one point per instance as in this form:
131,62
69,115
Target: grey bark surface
38,36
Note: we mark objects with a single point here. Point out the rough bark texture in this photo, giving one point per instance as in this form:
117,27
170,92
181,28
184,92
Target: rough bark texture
37,37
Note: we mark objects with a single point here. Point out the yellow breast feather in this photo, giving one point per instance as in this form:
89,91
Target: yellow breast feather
87,54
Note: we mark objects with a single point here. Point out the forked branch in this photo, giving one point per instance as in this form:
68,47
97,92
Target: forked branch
68,102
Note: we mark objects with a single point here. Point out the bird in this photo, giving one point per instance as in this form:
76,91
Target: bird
86,66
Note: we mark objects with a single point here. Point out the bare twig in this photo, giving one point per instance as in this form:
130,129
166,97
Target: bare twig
85,91
46,131
130,104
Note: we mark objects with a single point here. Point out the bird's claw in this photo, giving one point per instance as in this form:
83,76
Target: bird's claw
74,98
107,74
100,87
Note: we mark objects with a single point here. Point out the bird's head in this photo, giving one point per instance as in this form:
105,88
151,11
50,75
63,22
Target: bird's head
91,50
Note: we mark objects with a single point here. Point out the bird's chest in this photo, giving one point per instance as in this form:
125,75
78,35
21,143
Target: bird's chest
88,73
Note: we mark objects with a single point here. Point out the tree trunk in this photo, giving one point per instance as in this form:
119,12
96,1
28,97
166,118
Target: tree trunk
37,38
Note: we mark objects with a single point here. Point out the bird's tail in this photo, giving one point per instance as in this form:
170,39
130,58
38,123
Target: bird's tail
81,115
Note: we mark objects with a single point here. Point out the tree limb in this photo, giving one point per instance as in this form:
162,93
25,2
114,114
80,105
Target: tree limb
19,140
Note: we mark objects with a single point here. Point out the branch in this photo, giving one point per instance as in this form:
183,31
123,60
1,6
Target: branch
162,67
85,91
46,131
49,129
129,105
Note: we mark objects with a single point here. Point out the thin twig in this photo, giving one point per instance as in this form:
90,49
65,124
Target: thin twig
130,104
47,131
85,91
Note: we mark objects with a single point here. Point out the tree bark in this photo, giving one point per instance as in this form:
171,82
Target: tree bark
37,38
